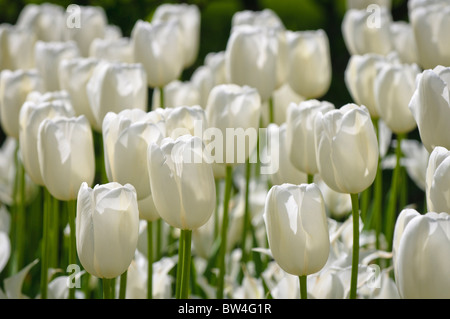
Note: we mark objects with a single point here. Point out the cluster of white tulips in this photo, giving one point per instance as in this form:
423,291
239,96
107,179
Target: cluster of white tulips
128,182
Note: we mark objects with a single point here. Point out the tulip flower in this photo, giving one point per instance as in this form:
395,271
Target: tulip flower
66,155
31,116
126,136
394,85
84,25
251,58
284,171
430,107
300,134
183,189
233,106
118,50
46,19
163,60
346,148
14,88
185,120
115,86
430,22
176,93
48,55
366,31
264,18
107,228
309,63
189,18
74,75
422,257
404,42
437,176
360,75
297,229
347,159
17,47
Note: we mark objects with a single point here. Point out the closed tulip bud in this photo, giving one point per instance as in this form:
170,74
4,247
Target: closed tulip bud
115,86
264,18
365,31
404,42
300,133
297,228
48,55
252,58
90,23
346,148
431,24
47,20
430,107
229,107
31,116
422,257
360,75
185,120
182,182
14,88
394,86
163,60
107,228
17,47
438,180
284,171
66,155
126,136
176,93
309,63
189,18
74,75
118,50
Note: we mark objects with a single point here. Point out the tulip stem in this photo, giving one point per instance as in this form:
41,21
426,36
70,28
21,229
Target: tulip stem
355,253
246,212
123,285
224,231
107,288
392,205
303,287
184,263
45,243
271,111
72,243
150,259
161,97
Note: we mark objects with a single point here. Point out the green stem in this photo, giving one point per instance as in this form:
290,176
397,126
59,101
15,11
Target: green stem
150,260
179,268
107,288
303,287
72,244
246,212
161,97
392,205
224,232
355,253
310,179
45,243
271,111
123,285
187,238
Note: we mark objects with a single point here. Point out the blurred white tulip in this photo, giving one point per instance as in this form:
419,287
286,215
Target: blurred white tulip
116,86
437,180
118,50
176,93
14,88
